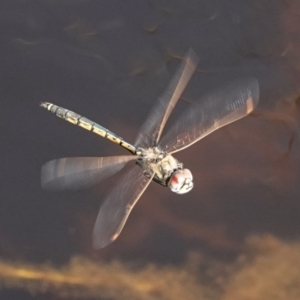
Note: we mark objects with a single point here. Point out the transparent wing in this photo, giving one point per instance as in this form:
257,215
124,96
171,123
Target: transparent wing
151,130
118,205
80,172
228,105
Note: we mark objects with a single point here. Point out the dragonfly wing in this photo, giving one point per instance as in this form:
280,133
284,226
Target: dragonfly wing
118,205
80,172
226,106
151,130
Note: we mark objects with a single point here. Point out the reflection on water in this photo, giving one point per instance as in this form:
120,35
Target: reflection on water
268,268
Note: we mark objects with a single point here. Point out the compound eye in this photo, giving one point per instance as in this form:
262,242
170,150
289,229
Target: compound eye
181,181
186,188
188,175
176,181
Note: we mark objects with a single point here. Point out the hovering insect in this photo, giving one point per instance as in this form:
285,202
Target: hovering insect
153,155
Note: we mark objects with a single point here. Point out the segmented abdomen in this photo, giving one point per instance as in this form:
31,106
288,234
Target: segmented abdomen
87,124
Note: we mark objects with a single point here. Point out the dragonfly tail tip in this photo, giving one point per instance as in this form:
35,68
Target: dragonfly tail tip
43,104
46,105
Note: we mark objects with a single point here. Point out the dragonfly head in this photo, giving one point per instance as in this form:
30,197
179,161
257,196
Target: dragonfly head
181,181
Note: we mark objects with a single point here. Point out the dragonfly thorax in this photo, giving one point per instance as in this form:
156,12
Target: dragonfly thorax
168,171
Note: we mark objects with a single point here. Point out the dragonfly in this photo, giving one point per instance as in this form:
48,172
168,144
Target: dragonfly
151,156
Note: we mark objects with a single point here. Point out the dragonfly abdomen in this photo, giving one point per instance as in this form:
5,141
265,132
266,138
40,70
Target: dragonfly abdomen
87,124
